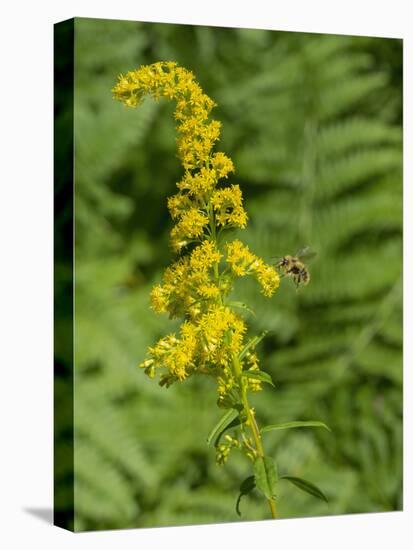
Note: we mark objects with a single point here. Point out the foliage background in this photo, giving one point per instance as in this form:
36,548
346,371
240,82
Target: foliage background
313,125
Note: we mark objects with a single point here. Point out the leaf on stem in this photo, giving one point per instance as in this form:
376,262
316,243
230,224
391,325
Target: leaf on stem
258,375
245,488
295,424
265,473
222,425
252,343
306,486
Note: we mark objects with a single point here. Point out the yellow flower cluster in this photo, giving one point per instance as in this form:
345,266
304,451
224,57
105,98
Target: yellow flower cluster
166,79
240,258
267,277
205,345
227,204
223,332
177,355
196,138
223,449
199,184
189,228
222,165
243,262
178,204
193,287
188,283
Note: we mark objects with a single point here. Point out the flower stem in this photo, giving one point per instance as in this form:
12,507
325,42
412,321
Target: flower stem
251,421
252,424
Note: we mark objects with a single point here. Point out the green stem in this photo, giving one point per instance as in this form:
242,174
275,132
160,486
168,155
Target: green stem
252,424
251,421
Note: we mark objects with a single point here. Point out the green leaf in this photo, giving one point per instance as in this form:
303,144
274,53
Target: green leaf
245,488
233,424
265,471
222,425
306,486
252,343
242,306
295,424
258,375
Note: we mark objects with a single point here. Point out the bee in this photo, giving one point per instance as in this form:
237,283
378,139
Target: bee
294,267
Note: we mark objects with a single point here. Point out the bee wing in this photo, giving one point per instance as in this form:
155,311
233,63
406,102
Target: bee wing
306,253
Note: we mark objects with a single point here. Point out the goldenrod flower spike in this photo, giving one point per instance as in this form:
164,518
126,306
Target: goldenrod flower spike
197,286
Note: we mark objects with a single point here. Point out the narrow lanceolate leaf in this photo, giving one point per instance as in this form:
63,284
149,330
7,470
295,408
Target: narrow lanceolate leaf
251,344
295,424
258,375
242,306
265,471
245,488
236,422
306,486
222,425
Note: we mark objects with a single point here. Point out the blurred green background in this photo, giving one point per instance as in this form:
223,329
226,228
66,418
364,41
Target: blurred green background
313,125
